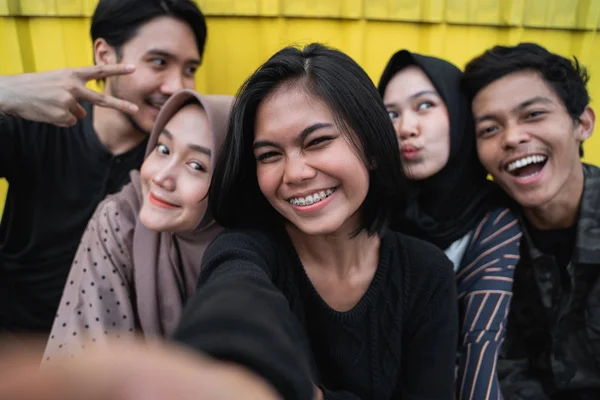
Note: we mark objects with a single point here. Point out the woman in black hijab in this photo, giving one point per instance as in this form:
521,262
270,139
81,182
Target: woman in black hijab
452,206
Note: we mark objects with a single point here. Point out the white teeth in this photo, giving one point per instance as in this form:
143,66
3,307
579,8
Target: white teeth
522,162
311,199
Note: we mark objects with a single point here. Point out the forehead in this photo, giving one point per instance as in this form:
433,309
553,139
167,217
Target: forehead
506,93
288,110
164,33
408,81
190,126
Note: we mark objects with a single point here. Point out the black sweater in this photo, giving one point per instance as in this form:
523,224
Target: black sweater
256,306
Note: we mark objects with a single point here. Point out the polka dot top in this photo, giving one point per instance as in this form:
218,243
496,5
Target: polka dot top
97,300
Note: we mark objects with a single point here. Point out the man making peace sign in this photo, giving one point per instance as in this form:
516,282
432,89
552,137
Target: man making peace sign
64,147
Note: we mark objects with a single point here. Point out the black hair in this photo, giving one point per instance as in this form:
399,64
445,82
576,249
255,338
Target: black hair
568,79
118,21
341,84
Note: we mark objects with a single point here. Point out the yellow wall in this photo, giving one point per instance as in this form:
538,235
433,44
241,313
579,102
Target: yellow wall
37,35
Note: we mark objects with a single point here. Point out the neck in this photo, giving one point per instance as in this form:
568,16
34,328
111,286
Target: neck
338,252
562,211
115,131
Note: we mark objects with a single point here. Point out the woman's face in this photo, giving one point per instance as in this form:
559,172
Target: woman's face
306,166
421,121
176,175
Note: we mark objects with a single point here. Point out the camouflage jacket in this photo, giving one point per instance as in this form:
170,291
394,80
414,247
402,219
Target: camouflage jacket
552,345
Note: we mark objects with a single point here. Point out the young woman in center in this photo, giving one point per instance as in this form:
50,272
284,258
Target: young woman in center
451,204
307,287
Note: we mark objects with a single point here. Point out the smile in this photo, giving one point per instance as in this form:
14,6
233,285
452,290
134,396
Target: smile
527,167
160,202
311,199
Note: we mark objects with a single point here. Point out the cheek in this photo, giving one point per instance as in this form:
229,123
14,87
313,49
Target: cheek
268,177
149,169
485,151
193,190
145,79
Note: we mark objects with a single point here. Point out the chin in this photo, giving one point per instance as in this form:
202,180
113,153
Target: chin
318,228
532,200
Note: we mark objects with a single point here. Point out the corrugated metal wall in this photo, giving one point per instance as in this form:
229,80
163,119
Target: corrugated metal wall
37,35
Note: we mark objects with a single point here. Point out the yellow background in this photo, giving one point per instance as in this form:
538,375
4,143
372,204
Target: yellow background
38,35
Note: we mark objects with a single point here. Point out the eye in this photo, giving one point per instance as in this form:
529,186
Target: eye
424,105
319,140
197,166
162,149
487,131
191,70
393,115
266,157
535,114
159,62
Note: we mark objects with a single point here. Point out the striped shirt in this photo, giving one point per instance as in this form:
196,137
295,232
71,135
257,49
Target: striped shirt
484,286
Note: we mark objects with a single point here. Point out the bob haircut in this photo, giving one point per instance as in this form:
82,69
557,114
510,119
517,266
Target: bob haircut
358,110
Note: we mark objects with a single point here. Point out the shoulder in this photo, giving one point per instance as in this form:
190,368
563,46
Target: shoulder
497,226
423,263
250,244
118,212
417,250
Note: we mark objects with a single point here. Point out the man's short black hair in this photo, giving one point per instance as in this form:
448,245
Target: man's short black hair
118,21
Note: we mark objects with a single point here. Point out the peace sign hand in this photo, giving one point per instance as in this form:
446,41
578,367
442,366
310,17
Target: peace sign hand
54,97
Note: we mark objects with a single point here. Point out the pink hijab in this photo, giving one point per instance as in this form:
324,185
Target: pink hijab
166,265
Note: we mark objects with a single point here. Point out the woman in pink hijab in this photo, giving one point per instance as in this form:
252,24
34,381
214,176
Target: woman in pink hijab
139,258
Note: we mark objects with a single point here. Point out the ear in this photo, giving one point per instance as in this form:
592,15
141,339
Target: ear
104,53
585,127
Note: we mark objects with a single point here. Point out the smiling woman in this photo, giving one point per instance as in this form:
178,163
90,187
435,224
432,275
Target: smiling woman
138,259
307,287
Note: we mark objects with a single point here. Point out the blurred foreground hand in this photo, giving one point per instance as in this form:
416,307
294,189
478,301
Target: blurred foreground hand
124,370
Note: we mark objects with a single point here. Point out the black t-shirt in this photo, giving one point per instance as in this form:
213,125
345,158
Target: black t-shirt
558,243
57,177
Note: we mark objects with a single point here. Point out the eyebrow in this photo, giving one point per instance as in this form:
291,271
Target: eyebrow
306,132
516,109
195,147
416,96
170,56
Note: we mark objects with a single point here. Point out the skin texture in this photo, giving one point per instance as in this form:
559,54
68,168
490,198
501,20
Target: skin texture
290,166
175,177
166,58
127,369
421,121
520,115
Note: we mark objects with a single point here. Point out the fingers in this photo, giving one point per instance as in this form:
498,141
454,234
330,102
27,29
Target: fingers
102,71
103,100
78,111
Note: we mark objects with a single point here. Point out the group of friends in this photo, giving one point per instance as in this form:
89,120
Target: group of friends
313,237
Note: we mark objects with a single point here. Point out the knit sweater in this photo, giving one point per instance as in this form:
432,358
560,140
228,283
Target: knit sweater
256,306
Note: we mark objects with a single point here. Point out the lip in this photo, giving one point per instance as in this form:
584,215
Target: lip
310,192
534,179
504,165
159,202
315,206
153,108
408,151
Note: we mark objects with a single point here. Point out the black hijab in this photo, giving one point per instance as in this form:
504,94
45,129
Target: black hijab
446,206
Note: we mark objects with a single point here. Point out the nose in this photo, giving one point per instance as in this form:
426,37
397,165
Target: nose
165,177
173,82
406,126
513,136
297,170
